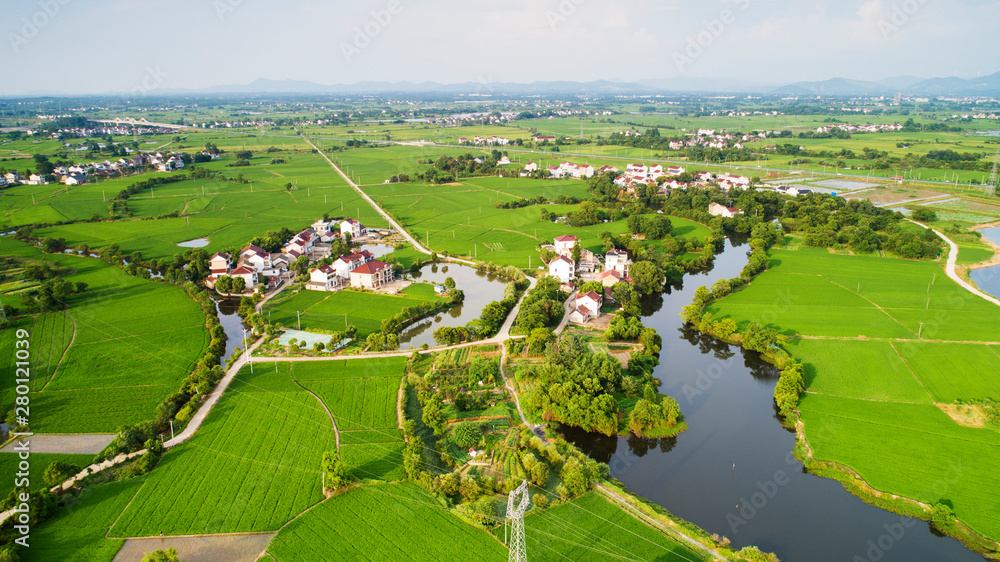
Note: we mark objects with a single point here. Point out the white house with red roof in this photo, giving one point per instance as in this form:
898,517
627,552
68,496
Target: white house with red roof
255,256
371,275
564,245
219,263
324,279
531,167
591,300
352,227
248,275
562,268
349,262
617,260
588,306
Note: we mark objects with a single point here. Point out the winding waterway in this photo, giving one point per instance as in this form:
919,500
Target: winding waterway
731,472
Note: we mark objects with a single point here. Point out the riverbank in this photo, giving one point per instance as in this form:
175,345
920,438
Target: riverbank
883,399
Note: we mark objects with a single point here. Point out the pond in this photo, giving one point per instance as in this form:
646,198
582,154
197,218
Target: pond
731,472
196,243
377,250
480,289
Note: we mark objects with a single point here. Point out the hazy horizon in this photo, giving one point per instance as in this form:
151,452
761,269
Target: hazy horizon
121,46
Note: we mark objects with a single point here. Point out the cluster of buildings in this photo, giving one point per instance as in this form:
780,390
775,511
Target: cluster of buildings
358,269
870,128
485,141
614,269
568,169
256,265
78,174
233,124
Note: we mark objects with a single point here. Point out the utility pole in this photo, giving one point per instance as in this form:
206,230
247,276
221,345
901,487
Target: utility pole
246,350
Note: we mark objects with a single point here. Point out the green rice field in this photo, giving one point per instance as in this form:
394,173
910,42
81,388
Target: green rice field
897,338
383,522
319,310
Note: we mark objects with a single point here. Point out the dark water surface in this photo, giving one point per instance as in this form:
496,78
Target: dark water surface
480,289
766,500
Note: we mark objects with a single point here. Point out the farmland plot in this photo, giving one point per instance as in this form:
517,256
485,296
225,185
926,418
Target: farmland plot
383,522
258,464
592,528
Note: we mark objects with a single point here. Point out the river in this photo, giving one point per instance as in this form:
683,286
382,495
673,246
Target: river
988,278
731,472
480,289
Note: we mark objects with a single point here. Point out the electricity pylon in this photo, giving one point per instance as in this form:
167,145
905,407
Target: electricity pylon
515,514
991,186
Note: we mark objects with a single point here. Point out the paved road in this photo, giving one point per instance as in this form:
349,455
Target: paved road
950,267
213,398
198,548
80,444
568,306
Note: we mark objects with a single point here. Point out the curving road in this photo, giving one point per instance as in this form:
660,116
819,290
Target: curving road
950,266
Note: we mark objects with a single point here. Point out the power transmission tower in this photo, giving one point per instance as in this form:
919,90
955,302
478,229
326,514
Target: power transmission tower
3,314
991,186
515,514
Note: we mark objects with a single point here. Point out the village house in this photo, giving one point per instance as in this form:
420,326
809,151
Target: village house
219,264
717,210
352,227
565,244
531,167
75,179
588,306
371,275
324,279
255,257
617,260
609,277
562,268
248,275
349,262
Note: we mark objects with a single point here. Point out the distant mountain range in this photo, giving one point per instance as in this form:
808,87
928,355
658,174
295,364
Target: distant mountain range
907,85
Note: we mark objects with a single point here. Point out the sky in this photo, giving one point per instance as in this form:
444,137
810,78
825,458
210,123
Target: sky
97,46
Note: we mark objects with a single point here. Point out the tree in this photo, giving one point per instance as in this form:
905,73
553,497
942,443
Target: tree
58,472
466,434
160,555
334,471
449,283
577,253
646,278
433,416
239,284
224,285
